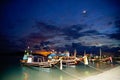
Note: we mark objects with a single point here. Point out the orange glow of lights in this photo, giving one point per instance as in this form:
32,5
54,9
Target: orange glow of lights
44,53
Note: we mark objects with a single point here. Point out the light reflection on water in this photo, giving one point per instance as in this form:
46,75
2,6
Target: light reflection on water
68,73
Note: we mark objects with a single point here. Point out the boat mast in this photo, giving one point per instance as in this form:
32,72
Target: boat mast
100,53
75,52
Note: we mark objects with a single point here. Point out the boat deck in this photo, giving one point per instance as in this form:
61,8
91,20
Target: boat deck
40,64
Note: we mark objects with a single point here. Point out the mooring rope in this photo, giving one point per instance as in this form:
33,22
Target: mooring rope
100,70
77,77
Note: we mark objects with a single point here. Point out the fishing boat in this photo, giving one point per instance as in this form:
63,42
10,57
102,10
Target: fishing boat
69,61
46,64
38,59
43,58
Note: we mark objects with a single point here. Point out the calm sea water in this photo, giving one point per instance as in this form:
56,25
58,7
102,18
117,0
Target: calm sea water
11,69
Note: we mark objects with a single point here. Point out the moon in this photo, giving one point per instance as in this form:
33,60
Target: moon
84,11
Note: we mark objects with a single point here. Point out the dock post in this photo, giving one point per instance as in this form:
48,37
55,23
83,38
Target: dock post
61,64
85,60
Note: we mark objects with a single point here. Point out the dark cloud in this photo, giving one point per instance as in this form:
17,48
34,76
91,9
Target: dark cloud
117,17
42,45
91,32
109,23
34,38
44,27
73,31
68,38
45,32
48,31
116,35
117,23
90,49
70,31
56,34
78,27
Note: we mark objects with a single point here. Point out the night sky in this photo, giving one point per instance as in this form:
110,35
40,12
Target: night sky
59,23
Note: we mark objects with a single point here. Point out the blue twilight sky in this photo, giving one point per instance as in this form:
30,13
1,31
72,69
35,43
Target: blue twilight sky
59,22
